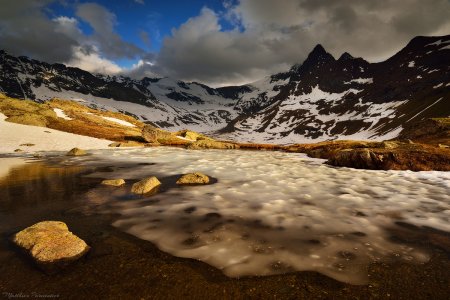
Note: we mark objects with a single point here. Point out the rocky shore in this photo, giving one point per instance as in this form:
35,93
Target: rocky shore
421,147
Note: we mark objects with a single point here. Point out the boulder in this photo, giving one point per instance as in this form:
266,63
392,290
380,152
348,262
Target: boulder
76,152
211,144
145,185
357,158
113,182
51,244
193,178
152,134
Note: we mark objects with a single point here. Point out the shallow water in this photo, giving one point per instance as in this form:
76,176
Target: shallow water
270,212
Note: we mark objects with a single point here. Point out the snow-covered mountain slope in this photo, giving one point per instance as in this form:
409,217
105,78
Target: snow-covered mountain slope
320,99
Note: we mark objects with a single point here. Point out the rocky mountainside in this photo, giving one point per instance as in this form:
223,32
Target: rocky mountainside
321,99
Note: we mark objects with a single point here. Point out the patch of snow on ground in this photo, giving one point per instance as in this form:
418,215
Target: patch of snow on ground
61,114
360,81
12,135
411,64
438,85
119,121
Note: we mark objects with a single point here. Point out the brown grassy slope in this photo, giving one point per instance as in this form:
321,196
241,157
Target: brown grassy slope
85,121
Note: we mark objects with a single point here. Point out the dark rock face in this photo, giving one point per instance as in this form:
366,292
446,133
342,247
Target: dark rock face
428,130
319,99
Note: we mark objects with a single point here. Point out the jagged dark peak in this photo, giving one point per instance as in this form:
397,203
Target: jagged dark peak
318,54
318,50
345,56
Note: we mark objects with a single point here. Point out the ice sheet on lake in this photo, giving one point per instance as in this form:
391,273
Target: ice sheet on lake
274,212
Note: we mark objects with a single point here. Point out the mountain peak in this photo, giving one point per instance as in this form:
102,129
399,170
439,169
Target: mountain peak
346,56
318,50
318,56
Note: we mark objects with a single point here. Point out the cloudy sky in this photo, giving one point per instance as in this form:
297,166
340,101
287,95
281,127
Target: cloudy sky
217,42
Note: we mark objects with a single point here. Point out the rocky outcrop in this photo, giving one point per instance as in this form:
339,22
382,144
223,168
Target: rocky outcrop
211,144
51,244
113,182
153,134
76,152
145,185
125,144
193,178
434,131
405,156
357,158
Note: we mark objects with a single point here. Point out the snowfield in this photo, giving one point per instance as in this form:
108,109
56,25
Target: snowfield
12,136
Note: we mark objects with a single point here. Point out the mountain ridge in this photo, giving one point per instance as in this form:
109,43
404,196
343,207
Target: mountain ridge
321,99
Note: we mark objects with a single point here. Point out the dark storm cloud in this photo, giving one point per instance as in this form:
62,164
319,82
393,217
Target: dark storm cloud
25,30
269,36
277,34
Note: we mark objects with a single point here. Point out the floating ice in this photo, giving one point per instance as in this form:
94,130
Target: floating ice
275,212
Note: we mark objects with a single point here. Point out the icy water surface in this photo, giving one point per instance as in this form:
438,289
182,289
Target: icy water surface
272,212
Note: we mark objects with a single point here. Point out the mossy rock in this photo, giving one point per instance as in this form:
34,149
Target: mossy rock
145,185
51,244
211,144
193,178
76,152
113,182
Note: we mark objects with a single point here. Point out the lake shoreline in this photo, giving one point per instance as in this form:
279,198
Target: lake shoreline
121,265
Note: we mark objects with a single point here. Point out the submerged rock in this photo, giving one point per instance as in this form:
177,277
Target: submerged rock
76,152
51,244
113,182
193,178
145,185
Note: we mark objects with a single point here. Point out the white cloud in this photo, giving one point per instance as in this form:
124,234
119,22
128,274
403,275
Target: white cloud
93,62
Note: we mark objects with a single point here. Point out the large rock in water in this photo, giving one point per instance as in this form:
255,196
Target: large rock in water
153,134
193,178
145,185
51,244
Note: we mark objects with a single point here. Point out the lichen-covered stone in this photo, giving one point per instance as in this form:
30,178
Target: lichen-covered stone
51,244
193,178
211,144
153,134
145,185
76,152
113,182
